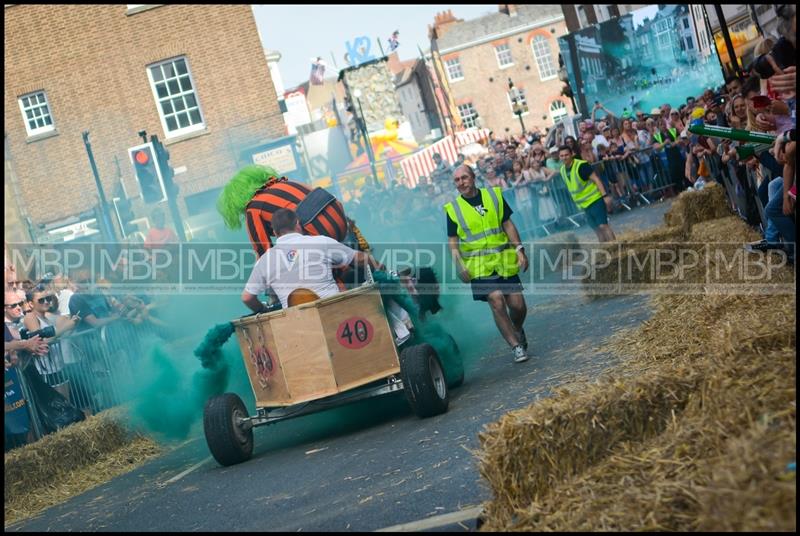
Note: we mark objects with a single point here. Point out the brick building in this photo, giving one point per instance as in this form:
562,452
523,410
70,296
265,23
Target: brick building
479,56
195,75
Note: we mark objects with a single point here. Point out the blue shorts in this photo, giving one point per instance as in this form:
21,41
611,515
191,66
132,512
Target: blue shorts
596,214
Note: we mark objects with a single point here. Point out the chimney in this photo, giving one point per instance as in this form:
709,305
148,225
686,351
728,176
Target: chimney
508,9
394,64
442,23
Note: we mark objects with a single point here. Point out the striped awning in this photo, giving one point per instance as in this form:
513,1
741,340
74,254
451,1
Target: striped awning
477,135
421,162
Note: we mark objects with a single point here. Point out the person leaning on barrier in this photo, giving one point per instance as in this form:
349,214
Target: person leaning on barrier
92,308
487,252
588,192
49,364
12,307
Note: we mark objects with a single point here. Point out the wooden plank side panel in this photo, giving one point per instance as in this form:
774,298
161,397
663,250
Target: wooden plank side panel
271,391
358,366
303,352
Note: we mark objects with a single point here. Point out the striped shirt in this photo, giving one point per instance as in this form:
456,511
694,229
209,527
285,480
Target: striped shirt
329,222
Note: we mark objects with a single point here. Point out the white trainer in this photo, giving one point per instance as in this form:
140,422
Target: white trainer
520,354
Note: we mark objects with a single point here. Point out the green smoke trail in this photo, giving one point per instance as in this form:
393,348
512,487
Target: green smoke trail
171,384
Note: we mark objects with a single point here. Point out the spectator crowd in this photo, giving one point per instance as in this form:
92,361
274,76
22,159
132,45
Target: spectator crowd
640,155
55,348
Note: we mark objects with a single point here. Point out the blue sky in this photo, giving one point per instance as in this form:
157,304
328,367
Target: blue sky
300,32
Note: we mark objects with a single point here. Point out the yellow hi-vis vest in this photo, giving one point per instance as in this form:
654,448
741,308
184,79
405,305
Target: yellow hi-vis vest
584,193
484,244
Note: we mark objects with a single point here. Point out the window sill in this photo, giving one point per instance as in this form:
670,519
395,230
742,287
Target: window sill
139,9
455,79
502,67
189,136
42,136
549,78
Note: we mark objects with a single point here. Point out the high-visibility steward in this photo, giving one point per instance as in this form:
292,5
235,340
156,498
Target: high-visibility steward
584,193
483,244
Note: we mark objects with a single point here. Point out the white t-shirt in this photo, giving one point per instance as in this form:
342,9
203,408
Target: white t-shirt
63,301
597,141
299,261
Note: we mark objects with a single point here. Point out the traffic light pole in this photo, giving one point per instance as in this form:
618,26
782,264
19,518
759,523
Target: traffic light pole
106,225
169,186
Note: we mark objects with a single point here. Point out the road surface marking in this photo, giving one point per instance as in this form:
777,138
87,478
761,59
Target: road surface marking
437,521
182,474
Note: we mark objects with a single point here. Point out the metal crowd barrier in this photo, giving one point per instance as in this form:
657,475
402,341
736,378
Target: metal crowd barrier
95,368
644,177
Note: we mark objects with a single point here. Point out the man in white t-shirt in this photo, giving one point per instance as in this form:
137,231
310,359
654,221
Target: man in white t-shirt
298,261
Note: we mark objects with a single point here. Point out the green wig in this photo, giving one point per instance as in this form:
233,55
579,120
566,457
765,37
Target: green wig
240,190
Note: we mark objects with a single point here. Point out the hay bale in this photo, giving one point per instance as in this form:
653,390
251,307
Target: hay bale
752,488
718,462
38,464
530,450
697,206
70,461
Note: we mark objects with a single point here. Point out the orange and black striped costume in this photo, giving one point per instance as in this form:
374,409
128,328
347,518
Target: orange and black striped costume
282,193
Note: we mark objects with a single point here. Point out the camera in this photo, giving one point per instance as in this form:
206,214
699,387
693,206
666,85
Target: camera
45,333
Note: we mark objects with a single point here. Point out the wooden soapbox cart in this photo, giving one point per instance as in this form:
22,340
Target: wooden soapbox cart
317,355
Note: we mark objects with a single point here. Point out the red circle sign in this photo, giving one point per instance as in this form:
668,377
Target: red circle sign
355,332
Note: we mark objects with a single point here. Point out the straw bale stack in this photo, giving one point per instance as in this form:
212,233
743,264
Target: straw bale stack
71,461
714,376
527,452
696,206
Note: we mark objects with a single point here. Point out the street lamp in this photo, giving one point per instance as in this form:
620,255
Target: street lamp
362,126
516,103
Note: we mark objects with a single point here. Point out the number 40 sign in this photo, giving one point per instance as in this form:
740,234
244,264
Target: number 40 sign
355,332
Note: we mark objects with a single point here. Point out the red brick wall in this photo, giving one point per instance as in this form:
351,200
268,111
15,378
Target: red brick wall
91,60
479,63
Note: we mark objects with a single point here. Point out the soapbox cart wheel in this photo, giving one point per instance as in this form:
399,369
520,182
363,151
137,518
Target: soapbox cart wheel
423,380
228,440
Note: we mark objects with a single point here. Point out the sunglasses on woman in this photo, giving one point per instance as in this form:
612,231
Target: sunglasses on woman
45,299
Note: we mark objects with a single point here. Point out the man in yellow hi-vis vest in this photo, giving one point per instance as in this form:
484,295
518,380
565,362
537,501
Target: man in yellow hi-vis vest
588,192
488,254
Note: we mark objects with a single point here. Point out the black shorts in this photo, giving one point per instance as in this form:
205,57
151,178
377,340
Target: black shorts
596,214
483,286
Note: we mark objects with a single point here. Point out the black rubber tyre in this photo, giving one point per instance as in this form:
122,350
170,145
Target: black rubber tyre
228,442
423,380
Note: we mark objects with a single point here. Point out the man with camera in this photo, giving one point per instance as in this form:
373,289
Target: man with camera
13,342
40,321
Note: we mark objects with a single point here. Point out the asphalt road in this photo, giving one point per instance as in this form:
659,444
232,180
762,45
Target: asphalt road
369,465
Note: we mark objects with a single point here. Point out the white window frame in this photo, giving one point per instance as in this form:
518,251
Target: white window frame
180,131
583,20
25,119
469,120
524,102
501,53
558,105
548,57
454,63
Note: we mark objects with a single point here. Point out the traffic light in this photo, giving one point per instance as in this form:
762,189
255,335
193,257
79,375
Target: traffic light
162,158
148,173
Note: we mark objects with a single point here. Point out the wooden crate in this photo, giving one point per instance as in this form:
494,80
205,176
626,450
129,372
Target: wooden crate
317,349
